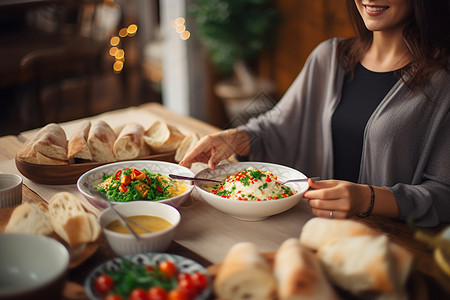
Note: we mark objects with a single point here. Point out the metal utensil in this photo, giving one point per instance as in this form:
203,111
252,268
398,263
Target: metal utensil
181,177
300,179
124,220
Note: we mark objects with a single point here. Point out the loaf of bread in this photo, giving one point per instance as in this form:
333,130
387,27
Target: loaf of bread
29,218
130,142
78,142
319,231
359,259
363,265
299,274
186,144
70,221
162,137
245,275
101,141
47,146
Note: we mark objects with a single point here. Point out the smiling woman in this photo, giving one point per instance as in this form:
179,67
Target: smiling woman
367,113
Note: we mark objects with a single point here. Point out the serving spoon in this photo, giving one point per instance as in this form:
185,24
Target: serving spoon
301,180
174,176
124,220
181,177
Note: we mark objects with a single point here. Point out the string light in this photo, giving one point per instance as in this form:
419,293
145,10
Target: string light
115,51
179,25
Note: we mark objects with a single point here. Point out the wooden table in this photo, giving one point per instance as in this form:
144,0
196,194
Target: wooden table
434,279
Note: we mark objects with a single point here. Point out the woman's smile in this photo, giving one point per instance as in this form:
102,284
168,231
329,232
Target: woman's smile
375,10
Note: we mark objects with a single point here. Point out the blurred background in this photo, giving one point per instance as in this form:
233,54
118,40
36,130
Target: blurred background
221,61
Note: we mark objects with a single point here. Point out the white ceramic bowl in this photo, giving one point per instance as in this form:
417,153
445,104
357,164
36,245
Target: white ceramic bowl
31,266
95,176
252,210
183,264
123,244
10,190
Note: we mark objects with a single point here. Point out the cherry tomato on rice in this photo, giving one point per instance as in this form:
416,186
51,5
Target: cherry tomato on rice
138,294
104,283
168,268
157,293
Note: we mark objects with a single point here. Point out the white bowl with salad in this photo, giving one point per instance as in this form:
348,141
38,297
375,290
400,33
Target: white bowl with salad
138,180
251,191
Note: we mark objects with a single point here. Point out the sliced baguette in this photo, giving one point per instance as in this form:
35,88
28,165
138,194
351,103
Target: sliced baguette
186,144
51,142
101,141
319,231
244,275
29,218
299,274
130,142
78,145
162,137
69,219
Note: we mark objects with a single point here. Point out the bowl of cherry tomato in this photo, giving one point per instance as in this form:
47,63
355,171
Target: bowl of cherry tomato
149,276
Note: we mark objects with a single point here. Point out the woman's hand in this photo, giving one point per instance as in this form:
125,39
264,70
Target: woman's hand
216,147
343,199
337,199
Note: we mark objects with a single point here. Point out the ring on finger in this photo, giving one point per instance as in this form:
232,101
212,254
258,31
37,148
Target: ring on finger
331,214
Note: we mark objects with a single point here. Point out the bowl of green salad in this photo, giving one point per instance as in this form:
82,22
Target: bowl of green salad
138,180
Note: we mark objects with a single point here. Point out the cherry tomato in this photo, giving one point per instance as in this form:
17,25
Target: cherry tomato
138,294
186,284
113,297
200,280
168,268
157,293
104,283
177,295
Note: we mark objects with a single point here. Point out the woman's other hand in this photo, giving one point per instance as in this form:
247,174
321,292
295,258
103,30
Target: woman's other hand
216,147
343,199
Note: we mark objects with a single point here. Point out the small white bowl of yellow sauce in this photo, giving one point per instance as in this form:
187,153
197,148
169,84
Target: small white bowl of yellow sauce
162,219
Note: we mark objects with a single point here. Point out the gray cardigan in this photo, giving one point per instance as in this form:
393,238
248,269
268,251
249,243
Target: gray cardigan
406,140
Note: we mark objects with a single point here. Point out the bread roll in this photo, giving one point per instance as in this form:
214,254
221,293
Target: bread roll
69,219
162,137
186,144
29,218
244,275
78,143
50,141
319,231
299,274
130,142
363,265
101,141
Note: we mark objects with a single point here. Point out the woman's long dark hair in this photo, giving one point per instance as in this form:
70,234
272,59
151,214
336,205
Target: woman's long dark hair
427,36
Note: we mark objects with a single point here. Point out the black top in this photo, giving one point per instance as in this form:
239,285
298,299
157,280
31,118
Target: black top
360,96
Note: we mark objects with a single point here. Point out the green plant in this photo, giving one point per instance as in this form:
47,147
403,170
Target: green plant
234,29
